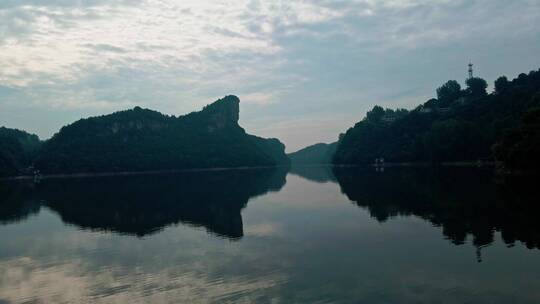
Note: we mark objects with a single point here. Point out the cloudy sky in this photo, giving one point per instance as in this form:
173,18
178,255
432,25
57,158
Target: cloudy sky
304,70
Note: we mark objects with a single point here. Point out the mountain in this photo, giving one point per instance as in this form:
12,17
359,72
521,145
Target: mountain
17,149
314,155
141,139
459,125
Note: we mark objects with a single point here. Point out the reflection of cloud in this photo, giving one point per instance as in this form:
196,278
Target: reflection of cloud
263,229
26,280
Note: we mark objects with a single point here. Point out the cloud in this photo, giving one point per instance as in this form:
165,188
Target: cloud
258,98
283,58
265,229
293,130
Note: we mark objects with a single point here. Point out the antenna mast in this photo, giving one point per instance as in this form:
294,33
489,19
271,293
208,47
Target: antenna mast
471,71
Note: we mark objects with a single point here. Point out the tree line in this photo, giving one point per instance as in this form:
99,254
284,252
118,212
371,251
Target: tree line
460,124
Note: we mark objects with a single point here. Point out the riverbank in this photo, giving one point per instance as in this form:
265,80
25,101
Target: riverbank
129,173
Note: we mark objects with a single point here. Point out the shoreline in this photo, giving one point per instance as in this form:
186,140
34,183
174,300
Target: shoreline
131,173
410,164
497,167
463,164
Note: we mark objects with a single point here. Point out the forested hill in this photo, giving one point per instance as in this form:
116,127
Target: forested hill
141,139
316,154
17,149
459,125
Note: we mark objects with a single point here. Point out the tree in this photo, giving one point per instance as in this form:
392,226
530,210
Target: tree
432,103
501,84
522,79
520,147
401,113
477,87
375,114
448,92
467,133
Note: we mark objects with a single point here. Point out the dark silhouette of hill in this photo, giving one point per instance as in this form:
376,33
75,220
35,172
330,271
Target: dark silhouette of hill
316,154
459,125
17,150
142,139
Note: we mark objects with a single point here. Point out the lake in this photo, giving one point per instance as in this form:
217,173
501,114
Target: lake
308,235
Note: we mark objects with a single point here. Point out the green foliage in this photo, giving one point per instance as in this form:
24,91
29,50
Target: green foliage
448,92
315,154
450,140
376,114
476,87
17,150
501,84
9,160
465,131
520,147
432,103
141,139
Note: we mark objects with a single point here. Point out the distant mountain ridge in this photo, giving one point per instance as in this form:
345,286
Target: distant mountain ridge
316,154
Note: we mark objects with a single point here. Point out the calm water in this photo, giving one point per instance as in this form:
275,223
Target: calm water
312,235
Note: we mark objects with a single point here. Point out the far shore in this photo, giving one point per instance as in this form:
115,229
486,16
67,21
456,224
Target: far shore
410,164
464,164
129,173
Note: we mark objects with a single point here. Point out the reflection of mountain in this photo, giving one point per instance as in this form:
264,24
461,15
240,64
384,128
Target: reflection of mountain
314,173
16,202
461,201
143,204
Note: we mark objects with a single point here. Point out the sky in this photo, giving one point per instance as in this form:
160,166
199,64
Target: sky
304,71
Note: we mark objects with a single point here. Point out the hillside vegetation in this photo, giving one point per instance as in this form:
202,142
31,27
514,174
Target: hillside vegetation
459,125
314,155
142,139
17,150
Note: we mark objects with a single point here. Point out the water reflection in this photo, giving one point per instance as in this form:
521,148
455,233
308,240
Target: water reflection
144,204
306,243
462,201
17,202
315,173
